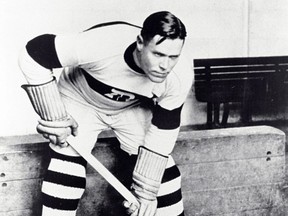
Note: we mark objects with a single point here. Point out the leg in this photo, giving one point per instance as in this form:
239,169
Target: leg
169,198
209,122
130,128
226,109
63,184
136,120
216,112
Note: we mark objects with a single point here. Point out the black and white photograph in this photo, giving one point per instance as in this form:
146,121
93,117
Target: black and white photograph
144,108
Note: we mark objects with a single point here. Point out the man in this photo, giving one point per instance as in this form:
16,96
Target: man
136,88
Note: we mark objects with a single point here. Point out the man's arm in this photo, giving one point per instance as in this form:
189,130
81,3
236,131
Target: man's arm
160,141
37,60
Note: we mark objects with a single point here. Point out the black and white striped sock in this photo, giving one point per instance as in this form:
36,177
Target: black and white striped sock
63,185
169,197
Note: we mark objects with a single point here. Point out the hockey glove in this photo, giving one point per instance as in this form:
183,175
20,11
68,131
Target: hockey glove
147,176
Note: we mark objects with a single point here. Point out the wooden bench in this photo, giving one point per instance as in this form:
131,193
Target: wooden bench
239,80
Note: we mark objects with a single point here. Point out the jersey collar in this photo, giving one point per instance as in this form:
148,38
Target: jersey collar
128,57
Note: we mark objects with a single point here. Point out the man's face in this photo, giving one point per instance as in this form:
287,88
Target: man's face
157,60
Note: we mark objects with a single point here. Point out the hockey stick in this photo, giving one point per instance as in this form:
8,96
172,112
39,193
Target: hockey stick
104,172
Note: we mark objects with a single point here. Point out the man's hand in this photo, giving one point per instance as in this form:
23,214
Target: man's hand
147,175
131,208
58,131
146,208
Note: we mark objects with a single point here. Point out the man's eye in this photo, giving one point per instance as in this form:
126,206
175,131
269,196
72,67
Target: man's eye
173,57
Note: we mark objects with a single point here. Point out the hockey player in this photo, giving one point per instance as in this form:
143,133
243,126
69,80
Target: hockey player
133,80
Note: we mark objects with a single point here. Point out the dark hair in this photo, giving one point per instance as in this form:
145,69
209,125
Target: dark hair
165,24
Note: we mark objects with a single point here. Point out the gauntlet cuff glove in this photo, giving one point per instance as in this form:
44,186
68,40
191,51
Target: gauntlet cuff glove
148,173
46,100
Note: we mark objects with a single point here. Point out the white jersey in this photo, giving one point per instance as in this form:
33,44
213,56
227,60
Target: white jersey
101,69
107,75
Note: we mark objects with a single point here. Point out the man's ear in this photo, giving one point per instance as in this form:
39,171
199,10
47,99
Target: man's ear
139,42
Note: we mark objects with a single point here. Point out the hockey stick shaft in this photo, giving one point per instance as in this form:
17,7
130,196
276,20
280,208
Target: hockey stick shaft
106,174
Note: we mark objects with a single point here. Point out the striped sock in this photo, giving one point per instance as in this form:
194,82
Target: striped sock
63,185
169,197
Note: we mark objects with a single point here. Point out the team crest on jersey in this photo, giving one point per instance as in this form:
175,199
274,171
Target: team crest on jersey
118,95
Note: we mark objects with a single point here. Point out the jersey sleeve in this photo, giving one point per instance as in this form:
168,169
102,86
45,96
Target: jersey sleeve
38,59
47,52
163,132
95,44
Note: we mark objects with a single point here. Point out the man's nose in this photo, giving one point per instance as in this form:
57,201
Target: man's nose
164,63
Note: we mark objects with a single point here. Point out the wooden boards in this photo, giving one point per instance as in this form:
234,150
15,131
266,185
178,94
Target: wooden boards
236,171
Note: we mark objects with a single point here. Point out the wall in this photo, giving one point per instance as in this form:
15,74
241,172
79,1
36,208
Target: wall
216,29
